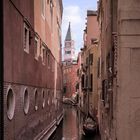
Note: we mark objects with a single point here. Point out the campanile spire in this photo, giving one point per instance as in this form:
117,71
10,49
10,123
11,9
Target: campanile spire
69,50
68,35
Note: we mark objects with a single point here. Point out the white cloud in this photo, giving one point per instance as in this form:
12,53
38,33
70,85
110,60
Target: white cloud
71,14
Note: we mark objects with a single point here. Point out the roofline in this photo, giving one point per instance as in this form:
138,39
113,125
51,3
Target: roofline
91,13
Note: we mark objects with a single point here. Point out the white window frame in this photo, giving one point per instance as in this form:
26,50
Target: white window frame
51,11
26,101
43,48
36,99
10,99
43,5
37,48
26,38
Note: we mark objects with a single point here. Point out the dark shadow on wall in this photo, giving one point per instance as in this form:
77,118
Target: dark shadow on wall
1,71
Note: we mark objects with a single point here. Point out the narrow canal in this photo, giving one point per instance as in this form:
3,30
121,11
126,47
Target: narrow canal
72,125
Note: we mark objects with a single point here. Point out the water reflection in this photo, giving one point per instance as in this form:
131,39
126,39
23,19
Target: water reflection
72,125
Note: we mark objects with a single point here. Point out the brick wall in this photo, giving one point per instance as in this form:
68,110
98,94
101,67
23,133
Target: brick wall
70,75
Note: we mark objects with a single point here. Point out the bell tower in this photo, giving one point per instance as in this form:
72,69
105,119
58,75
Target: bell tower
69,50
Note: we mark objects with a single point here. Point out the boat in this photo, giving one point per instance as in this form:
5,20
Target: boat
89,126
69,101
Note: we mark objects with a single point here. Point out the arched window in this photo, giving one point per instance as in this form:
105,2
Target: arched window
36,100
48,96
43,98
26,101
10,104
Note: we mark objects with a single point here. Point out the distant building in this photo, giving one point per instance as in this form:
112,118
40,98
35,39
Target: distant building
89,65
69,66
69,49
70,79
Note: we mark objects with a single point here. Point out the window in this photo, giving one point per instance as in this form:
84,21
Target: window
109,62
48,60
83,81
87,61
93,41
26,38
51,11
43,98
77,86
53,99
43,54
43,8
78,72
68,52
91,82
104,90
10,104
36,100
48,98
86,81
65,89
98,73
91,59
26,102
36,45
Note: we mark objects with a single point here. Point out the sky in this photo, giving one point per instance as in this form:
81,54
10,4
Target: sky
75,11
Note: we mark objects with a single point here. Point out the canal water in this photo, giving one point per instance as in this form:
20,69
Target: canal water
71,126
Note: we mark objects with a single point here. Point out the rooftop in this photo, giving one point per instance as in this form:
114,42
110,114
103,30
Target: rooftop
91,13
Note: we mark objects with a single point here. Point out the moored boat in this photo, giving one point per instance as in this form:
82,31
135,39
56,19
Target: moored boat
89,126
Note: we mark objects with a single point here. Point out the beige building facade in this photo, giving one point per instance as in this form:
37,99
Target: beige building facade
119,40
89,58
